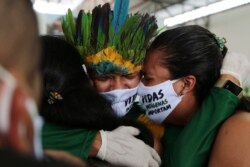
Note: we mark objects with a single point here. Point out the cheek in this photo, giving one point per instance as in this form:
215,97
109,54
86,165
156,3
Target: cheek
102,86
131,83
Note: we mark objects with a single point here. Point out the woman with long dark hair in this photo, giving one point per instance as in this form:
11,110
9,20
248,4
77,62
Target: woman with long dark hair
177,89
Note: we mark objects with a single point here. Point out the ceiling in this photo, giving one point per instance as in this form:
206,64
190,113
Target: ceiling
162,9
152,6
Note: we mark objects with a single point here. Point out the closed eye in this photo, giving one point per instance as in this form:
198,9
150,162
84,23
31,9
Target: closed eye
131,76
103,78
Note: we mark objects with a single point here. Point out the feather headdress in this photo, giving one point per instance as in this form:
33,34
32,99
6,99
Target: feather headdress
110,41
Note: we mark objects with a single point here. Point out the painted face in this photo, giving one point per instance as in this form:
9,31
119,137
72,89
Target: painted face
115,82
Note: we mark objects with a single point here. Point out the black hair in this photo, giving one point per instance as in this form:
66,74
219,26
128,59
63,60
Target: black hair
191,50
244,104
81,105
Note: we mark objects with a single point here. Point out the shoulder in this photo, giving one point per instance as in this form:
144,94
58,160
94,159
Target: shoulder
232,144
238,124
235,131
55,134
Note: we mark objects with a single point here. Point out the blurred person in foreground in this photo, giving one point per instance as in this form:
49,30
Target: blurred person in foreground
20,89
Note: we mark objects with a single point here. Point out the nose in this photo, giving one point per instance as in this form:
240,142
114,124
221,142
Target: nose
118,83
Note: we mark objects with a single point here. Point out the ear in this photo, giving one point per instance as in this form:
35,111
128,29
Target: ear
188,84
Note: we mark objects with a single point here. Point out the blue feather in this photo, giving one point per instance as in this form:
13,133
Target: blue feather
120,14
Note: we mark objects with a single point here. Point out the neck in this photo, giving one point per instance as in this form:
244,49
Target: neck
184,112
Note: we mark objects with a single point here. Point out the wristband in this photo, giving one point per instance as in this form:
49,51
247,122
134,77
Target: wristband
229,85
235,89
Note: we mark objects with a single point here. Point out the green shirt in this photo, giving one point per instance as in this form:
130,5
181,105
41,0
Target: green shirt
190,146
187,146
76,141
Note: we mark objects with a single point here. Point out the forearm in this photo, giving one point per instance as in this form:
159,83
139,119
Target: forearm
97,142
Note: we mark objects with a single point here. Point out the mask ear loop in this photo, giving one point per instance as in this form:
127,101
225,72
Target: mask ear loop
176,80
6,96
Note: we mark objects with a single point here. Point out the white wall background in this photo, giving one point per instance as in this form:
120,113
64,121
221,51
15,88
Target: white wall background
234,25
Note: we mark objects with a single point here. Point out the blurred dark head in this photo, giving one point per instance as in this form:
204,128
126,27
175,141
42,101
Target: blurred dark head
78,104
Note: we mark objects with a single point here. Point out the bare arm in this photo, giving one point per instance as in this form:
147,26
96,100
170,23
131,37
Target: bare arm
232,144
95,145
63,156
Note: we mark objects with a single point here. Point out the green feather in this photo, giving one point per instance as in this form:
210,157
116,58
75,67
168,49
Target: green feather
86,20
130,41
68,24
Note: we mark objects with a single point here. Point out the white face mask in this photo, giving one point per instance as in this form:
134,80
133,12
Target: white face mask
37,125
159,100
121,100
7,88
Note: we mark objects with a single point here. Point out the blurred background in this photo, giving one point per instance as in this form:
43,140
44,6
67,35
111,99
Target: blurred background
226,18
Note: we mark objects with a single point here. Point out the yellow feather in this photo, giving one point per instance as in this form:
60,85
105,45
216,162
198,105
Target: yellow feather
111,55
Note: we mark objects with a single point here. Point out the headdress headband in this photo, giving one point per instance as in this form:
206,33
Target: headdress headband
110,41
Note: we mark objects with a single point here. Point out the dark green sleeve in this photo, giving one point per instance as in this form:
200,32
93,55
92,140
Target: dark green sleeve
193,144
76,141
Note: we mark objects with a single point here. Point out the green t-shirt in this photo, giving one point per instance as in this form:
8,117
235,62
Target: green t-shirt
76,141
190,146
187,146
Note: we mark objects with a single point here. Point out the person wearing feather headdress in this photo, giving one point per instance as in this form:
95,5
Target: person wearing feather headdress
107,83
95,35
79,120
113,46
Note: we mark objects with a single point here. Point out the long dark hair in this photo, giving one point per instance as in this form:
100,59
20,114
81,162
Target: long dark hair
81,105
191,50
